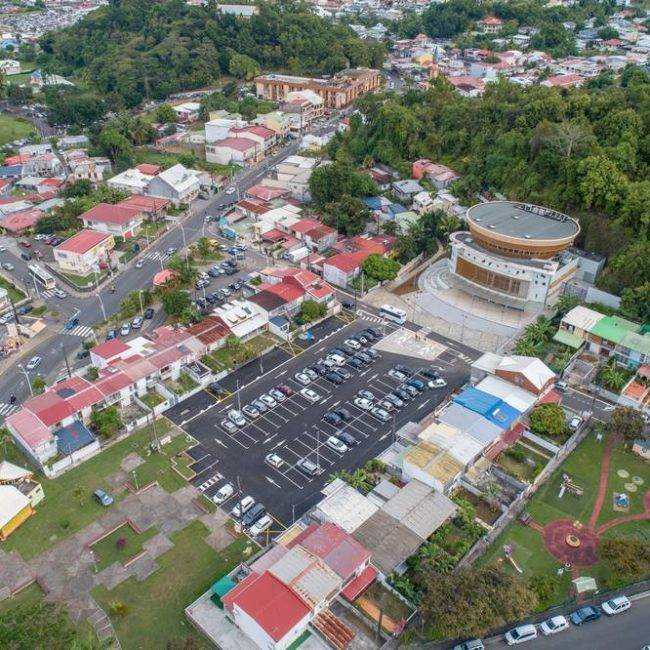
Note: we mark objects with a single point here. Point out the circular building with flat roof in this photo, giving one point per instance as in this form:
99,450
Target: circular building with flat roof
521,229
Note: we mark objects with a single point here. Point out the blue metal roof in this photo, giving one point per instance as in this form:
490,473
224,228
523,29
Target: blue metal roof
72,437
373,202
492,408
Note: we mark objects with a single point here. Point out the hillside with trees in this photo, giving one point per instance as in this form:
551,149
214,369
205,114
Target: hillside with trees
583,151
137,50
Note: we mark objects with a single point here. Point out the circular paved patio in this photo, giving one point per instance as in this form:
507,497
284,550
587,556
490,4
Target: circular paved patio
555,536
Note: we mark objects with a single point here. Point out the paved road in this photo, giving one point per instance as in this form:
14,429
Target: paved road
12,382
628,631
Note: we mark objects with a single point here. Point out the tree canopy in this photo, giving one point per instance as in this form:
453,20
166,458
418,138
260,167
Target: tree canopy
548,419
136,50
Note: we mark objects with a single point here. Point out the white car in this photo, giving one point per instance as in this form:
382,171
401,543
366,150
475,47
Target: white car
380,414
363,403
223,493
33,363
310,395
59,293
126,329
396,374
237,418
311,374
334,443
268,400
302,378
351,343
521,634
337,359
554,625
274,460
231,190
260,526
243,506
616,605
575,423
139,264
136,324
437,383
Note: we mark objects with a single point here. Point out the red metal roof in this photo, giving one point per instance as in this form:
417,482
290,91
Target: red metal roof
273,605
108,213
274,235
266,193
239,144
110,349
347,262
19,221
305,225
83,241
148,169
50,408
552,397
209,330
288,292
28,426
111,383
355,588
145,203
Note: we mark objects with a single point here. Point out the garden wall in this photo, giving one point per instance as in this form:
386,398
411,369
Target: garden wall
541,442
70,461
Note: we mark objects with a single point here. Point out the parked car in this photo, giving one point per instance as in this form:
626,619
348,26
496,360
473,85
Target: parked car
228,426
148,313
403,395
237,418
103,498
7,266
562,386
260,405
337,445
223,493
575,422
59,293
429,373
417,384
473,644
302,378
136,324
366,394
25,244
520,634
336,358
125,330
351,343
380,414
347,438
139,264
386,405
287,391
261,525
357,364
111,334
274,460
268,400
585,615
33,363
310,373
343,373
83,354
438,383
250,411
396,374
394,400
216,388
362,403
255,513
364,356
25,309
343,413
616,605
308,467
332,418
554,625
310,395
243,506
334,378
277,395
411,390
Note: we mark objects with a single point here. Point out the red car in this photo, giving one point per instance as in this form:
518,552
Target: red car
25,244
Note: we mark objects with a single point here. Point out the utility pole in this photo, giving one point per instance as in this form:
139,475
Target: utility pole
381,615
238,397
241,514
317,449
65,358
13,309
135,479
141,306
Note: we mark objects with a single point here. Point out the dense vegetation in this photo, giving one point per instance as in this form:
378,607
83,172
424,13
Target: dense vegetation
137,49
584,151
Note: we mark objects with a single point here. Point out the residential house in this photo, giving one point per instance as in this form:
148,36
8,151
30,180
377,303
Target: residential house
564,81
341,269
423,202
85,252
265,138
302,107
131,180
491,25
15,509
276,121
9,66
121,220
178,184
439,175
20,221
187,112
151,207
245,320
406,190
240,150
219,127
317,236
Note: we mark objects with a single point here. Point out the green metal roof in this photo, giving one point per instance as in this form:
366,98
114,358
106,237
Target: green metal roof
222,586
637,342
613,328
567,338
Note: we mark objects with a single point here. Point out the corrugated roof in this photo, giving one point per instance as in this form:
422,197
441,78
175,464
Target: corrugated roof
12,502
346,507
582,318
637,342
517,397
567,338
471,423
613,328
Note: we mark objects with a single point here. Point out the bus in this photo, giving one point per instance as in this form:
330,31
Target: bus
42,276
393,313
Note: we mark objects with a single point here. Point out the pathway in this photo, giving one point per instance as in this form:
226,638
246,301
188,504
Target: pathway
602,487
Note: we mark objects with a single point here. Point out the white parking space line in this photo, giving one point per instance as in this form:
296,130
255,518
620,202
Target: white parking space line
256,427
278,444
221,443
424,404
276,414
284,475
316,451
269,439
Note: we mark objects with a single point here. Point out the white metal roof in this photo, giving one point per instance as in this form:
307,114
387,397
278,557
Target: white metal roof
582,318
515,396
12,501
535,370
346,508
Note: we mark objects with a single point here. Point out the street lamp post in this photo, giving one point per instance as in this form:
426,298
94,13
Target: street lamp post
29,383
101,304
141,305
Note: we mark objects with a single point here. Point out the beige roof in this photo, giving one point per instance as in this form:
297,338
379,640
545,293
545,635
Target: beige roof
582,318
419,508
434,461
10,472
12,502
463,447
344,506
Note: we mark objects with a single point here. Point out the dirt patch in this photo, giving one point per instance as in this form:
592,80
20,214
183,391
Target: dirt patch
484,511
411,284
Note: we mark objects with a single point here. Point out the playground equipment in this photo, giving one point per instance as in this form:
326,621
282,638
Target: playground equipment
570,486
507,550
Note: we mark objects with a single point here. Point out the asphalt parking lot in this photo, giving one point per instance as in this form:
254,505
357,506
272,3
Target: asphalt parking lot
294,429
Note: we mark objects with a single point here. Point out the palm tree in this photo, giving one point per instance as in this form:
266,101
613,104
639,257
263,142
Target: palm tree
540,330
612,376
360,481
526,347
5,437
448,224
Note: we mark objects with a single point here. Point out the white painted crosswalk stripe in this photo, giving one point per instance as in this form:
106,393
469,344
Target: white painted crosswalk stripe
48,294
368,316
81,330
7,409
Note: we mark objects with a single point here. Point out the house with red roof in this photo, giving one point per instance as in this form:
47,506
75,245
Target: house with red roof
265,138
152,207
20,221
564,81
241,150
315,288
266,193
119,220
317,236
491,24
291,587
85,252
341,269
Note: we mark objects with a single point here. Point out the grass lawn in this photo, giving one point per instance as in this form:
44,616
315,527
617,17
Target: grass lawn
226,357
14,128
583,466
182,385
152,228
107,551
522,462
29,596
15,294
84,280
625,460
61,514
168,159
155,607
9,451
152,398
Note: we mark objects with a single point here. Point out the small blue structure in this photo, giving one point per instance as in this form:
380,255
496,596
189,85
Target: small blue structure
73,437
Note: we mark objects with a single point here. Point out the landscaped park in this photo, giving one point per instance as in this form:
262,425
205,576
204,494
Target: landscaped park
601,491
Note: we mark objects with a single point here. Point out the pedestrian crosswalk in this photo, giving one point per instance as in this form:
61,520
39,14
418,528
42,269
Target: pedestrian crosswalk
7,409
81,330
361,313
48,294
155,255
210,482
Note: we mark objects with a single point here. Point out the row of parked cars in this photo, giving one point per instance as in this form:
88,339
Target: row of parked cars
236,419
250,514
556,624
127,326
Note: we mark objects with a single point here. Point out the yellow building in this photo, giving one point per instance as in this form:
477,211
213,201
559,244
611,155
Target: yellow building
15,509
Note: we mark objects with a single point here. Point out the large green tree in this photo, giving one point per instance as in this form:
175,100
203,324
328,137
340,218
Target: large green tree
548,419
380,268
627,422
